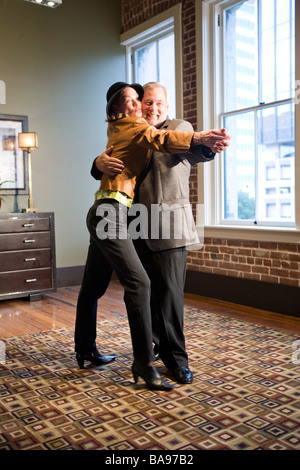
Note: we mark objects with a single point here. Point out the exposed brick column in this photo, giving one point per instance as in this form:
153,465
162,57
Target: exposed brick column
135,12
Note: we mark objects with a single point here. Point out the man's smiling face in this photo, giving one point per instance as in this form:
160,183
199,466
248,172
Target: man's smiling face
154,106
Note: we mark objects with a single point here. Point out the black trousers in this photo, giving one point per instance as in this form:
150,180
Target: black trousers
167,272
114,252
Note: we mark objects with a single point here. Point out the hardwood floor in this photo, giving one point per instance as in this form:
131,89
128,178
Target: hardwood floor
58,309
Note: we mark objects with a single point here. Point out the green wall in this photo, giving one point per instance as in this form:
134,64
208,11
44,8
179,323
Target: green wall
57,65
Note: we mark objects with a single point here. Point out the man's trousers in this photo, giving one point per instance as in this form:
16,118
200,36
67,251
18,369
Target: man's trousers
167,271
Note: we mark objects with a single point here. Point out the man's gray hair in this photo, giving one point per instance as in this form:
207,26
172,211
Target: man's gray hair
157,85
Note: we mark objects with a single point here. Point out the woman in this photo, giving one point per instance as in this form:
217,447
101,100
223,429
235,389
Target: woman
132,139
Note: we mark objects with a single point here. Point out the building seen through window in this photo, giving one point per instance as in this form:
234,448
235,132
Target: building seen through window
259,111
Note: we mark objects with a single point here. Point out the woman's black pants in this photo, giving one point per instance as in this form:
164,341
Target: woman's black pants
111,249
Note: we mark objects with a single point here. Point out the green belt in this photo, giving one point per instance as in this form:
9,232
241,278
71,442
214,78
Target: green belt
117,195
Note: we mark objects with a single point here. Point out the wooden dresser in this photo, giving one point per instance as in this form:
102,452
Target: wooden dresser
27,254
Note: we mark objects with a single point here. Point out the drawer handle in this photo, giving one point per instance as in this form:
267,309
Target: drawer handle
30,280
30,259
28,225
29,241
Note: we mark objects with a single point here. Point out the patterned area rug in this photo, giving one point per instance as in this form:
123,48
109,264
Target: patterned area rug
245,395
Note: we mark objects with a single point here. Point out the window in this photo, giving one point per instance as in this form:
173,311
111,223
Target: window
285,190
285,209
270,190
155,61
153,53
254,89
270,173
285,172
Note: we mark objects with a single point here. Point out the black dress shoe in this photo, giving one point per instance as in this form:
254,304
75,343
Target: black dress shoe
93,357
183,375
151,377
156,353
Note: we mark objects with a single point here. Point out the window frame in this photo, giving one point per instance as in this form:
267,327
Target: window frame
159,26
209,116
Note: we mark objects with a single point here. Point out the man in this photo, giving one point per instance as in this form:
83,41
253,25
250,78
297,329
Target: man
165,184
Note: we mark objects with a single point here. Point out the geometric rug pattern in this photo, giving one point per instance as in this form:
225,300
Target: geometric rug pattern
245,394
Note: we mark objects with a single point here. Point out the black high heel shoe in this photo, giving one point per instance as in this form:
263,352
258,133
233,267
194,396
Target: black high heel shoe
94,357
151,377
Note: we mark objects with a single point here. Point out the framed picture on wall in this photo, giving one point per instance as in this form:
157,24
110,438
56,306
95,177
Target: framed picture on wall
13,160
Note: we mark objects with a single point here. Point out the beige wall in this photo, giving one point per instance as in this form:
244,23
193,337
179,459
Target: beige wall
57,65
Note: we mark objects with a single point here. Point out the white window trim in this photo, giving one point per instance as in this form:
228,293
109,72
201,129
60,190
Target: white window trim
171,19
209,174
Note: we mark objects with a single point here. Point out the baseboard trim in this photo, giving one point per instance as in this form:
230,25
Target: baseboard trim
277,298
69,276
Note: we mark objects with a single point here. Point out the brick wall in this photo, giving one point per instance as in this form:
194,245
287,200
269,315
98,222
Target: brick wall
262,261
277,263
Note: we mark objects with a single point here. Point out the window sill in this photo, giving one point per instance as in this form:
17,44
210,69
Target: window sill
268,234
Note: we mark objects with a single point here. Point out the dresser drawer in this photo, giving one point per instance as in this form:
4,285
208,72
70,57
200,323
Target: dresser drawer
24,241
27,254
24,225
27,259
26,281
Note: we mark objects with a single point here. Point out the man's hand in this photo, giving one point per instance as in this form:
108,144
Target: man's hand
216,139
109,165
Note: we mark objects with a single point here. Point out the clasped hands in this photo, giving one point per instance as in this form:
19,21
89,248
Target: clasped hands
216,139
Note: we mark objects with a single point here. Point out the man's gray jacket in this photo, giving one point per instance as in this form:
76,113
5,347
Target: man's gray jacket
164,189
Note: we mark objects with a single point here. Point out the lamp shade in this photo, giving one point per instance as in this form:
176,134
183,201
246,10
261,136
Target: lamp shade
28,141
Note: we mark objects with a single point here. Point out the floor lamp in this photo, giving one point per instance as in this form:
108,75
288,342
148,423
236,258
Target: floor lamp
28,141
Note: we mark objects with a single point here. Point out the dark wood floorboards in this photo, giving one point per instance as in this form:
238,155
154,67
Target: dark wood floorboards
58,309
